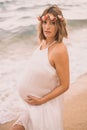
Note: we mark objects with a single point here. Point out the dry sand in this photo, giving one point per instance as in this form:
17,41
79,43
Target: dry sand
75,111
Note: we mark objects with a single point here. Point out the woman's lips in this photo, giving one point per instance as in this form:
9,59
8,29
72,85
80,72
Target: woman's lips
47,32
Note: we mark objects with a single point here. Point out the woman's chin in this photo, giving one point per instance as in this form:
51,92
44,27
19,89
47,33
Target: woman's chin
48,36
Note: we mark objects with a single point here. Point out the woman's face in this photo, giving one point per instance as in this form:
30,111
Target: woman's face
49,28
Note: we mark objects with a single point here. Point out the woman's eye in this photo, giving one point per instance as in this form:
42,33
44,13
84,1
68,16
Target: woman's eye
52,23
44,22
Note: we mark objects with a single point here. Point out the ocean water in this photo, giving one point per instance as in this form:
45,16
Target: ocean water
18,40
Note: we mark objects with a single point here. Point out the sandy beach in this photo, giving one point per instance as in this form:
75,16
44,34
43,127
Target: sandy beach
75,111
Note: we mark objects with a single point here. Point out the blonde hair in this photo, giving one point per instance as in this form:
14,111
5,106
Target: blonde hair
61,25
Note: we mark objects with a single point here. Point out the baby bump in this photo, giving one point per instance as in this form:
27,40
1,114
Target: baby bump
37,82
34,85
34,89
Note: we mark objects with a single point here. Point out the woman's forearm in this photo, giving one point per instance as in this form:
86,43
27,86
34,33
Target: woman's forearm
53,94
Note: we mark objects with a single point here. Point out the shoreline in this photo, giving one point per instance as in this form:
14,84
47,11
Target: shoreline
75,106
77,87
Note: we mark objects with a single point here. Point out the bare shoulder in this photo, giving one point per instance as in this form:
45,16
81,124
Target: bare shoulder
60,50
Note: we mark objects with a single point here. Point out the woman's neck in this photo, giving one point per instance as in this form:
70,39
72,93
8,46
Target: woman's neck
49,41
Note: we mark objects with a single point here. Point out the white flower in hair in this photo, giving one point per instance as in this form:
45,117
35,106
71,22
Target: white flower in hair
51,17
60,17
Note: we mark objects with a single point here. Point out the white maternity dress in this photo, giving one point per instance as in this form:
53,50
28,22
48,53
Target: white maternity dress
40,79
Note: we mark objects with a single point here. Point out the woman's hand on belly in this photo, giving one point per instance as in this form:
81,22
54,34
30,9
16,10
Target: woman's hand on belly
32,100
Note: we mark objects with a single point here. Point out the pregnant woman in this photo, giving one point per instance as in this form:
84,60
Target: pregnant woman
47,76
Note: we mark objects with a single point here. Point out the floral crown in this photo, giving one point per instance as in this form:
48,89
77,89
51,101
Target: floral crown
52,18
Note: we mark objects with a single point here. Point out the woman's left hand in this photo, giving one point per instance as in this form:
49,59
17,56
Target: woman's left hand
34,100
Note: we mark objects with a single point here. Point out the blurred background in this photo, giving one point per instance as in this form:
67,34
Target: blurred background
18,40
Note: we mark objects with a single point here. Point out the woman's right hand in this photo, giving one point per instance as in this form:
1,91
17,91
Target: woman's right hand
32,100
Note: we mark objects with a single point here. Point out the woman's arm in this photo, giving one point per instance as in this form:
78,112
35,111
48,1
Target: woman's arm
61,61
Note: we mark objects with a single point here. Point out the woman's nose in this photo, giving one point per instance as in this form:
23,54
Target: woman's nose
47,25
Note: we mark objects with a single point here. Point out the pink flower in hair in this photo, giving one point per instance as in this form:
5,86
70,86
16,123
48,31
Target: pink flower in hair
43,18
39,18
47,16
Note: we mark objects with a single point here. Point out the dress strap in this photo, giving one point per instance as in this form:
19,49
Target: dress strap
40,44
47,46
51,44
